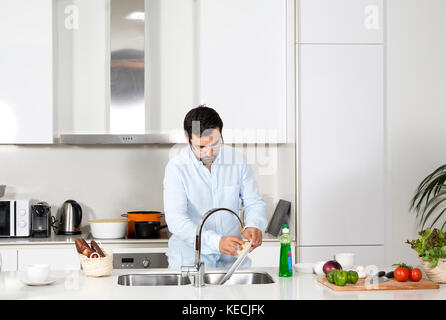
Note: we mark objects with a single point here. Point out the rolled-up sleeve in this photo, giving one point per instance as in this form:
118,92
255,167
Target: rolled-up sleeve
253,204
175,207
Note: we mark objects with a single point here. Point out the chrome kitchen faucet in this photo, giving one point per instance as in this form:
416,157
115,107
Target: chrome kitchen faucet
198,270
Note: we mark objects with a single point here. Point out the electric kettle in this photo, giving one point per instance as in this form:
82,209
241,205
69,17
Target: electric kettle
70,217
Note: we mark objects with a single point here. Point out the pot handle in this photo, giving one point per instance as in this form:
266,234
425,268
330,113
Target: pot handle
157,228
125,215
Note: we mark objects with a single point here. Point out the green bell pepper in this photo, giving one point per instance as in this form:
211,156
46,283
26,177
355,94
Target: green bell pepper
352,277
330,276
341,278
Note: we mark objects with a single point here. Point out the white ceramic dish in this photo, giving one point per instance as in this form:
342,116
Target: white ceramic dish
318,268
304,267
347,260
237,262
108,228
28,282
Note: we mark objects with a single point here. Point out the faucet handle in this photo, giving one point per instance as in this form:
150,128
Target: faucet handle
187,271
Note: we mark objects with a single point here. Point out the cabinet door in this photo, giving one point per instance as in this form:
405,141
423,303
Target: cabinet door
364,255
243,62
8,260
83,85
342,146
341,21
26,76
171,64
58,259
268,255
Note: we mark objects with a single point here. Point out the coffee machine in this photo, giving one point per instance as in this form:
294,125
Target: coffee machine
41,220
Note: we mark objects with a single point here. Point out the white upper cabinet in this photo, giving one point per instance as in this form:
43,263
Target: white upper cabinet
244,52
342,145
82,63
341,21
26,71
235,56
171,64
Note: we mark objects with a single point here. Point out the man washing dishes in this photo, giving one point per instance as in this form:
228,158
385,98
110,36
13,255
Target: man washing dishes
204,176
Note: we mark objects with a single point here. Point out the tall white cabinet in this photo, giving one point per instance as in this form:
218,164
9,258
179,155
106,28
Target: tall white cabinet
26,71
342,152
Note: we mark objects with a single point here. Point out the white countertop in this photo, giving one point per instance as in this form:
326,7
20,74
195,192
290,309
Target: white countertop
69,240
74,285
61,240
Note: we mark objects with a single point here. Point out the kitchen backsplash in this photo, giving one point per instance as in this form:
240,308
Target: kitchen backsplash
110,180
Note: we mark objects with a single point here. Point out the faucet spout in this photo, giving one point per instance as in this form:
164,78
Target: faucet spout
200,227
198,270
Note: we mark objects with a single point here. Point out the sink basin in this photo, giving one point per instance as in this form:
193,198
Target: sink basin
239,278
164,279
173,279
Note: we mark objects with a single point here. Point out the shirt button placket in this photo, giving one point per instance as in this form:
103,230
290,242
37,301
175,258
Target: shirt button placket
215,198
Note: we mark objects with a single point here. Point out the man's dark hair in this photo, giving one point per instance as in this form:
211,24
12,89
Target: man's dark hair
206,117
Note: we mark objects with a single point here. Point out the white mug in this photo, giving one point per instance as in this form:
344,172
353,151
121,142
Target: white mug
38,272
347,260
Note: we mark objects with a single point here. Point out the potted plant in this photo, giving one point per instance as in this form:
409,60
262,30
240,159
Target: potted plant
431,249
430,194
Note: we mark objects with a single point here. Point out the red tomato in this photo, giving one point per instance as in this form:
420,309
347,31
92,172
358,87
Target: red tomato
401,274
415,274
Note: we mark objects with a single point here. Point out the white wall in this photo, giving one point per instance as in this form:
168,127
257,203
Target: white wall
111,180
416,107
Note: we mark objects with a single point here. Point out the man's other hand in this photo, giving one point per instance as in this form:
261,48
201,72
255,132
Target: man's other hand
254,235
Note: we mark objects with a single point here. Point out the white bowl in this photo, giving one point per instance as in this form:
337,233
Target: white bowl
304,267
318,268
109,228
346,260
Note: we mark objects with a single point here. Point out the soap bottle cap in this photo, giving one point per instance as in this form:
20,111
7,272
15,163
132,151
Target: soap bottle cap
285,229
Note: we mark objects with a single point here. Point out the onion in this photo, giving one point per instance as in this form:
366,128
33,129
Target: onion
331,265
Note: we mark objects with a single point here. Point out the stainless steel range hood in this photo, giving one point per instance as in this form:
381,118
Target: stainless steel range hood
126,118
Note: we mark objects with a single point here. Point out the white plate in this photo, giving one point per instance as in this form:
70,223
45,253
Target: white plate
237,262
43,283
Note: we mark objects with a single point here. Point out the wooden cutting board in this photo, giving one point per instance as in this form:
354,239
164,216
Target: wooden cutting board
392,284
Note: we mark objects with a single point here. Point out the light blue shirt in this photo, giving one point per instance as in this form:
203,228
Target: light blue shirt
191,190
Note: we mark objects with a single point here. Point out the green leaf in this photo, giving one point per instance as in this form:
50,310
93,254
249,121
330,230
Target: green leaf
438,217
433,262
433,204
443,252
430,188
442,227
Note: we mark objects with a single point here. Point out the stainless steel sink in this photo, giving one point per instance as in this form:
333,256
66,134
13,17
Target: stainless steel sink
239,278
212,278
164,279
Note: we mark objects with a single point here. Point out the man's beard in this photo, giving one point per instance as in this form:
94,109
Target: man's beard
208,160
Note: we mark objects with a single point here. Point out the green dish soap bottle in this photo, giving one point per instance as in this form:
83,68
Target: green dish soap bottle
286,258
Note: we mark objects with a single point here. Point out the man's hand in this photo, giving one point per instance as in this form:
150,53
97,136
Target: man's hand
230,244
254,235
